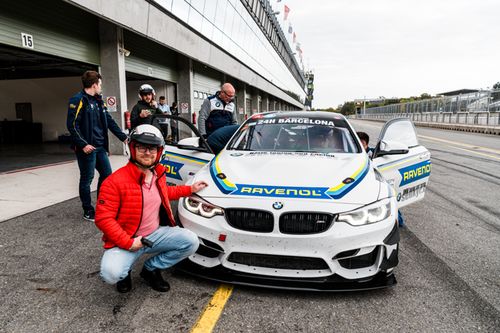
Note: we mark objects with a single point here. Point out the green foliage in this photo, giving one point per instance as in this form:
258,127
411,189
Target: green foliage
348,108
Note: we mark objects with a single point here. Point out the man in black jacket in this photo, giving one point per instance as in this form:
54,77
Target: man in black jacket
88,122
145,109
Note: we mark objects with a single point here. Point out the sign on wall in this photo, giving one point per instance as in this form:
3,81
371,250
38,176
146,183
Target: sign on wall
184,107
111,103
27,40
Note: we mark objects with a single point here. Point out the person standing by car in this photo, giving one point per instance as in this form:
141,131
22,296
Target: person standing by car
135,216
217,111
88,122
146,108
165,109
174,126
365,139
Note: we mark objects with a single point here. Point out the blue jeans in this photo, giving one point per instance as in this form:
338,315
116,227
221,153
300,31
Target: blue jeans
88,163
219,138
171,245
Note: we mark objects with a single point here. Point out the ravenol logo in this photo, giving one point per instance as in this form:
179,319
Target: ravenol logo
282,191
173,169
415,172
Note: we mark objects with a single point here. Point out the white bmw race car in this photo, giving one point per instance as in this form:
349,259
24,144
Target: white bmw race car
295,202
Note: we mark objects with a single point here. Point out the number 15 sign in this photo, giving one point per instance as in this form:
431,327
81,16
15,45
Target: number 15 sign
27,40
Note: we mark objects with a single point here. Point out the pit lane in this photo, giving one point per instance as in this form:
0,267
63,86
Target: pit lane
447,275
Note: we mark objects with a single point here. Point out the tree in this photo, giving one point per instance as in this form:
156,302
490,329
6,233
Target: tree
495,96
348,108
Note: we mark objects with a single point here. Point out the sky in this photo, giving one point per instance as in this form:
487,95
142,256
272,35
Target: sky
395,48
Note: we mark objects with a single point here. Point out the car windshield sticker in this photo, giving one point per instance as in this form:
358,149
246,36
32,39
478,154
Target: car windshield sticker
415,172
337,192
322,122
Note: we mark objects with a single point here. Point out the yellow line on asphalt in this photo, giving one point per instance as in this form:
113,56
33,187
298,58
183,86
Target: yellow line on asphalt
210,315
491,150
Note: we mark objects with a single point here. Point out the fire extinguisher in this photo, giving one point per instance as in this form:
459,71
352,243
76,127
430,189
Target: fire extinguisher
194,118
128,124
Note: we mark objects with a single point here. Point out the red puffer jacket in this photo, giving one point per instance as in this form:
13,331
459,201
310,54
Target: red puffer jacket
119,205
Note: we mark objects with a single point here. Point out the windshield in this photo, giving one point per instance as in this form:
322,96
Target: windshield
303,137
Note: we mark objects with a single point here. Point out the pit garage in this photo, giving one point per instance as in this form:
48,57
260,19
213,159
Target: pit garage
41,59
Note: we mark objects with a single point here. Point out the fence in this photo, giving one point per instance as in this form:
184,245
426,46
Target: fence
480,108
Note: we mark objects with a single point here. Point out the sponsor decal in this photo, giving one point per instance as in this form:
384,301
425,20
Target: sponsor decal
296,121
415,172
173,169
281,191
336,192
411,192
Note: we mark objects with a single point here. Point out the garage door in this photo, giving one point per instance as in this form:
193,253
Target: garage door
150,59
51,27
206,82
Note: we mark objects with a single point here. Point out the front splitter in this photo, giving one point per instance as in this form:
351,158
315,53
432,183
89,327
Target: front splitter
333,283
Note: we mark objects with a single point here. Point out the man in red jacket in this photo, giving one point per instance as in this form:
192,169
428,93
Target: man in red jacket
132,204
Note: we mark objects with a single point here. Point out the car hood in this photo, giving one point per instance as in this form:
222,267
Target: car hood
345,178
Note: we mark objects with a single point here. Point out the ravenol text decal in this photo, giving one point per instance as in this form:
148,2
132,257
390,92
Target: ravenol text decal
173,169
337,192
282,191
415,172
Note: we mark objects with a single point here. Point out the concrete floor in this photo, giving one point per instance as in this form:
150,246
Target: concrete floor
22,156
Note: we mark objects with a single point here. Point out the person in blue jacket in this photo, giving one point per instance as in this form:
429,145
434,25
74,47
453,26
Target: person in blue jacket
88,122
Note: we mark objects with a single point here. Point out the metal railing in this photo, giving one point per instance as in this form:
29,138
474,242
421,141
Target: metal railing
478,108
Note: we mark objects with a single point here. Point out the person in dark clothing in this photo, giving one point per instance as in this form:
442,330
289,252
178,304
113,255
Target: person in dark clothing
88,122
145,109
217,111
174,126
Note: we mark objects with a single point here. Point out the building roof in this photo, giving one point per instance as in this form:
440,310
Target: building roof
459,92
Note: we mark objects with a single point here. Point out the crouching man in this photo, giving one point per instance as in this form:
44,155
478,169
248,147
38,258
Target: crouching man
132,207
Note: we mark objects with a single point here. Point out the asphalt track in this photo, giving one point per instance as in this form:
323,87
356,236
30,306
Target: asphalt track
448,275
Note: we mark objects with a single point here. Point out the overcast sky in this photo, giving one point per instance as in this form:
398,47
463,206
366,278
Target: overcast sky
396,48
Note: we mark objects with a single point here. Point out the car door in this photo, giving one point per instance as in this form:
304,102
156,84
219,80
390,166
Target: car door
403,162
185,151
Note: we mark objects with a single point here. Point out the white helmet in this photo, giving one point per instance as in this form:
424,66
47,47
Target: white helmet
146,89
147,135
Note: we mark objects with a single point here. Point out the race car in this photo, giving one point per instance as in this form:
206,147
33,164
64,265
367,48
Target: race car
295,202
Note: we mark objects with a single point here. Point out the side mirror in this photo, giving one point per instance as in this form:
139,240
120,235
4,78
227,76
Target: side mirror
391,148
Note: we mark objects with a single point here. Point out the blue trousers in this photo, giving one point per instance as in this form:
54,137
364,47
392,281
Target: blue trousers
218,139
170,244
88,163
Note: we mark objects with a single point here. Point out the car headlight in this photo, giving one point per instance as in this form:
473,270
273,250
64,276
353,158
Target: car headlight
372,213
198,206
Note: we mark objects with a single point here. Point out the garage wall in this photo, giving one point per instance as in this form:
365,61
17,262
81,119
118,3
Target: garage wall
48,98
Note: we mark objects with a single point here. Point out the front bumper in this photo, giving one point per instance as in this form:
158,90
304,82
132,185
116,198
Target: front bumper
342,254
333,283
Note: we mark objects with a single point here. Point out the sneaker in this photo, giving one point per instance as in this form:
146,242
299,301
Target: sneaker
155,280
125,285
89,215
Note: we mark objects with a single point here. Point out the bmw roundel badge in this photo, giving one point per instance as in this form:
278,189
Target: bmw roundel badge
277,205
